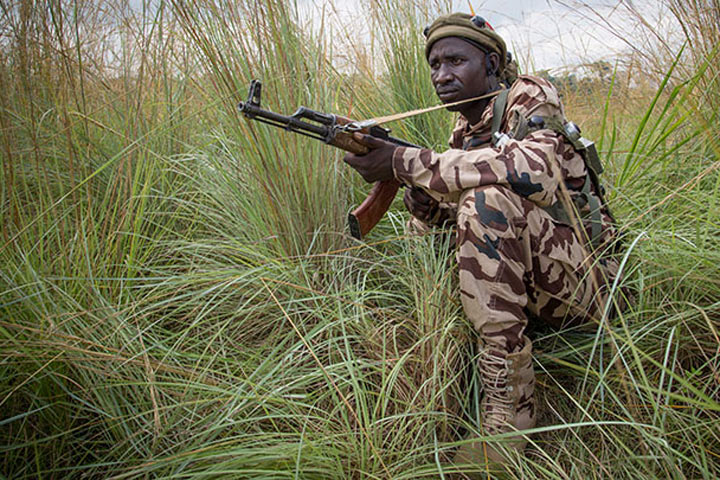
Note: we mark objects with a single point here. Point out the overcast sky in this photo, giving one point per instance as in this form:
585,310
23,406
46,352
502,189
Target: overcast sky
543,34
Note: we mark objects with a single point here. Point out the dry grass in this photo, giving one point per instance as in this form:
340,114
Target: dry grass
171,275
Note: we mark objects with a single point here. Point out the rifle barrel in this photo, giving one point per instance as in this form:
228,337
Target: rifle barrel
286,122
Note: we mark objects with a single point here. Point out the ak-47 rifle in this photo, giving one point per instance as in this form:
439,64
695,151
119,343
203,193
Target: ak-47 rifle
336,131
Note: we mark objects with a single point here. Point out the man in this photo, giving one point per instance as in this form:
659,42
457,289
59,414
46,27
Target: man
513,181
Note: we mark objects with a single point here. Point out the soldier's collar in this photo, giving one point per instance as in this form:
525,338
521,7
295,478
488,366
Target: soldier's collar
484,122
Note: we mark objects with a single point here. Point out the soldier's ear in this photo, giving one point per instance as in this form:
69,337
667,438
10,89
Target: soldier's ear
492,62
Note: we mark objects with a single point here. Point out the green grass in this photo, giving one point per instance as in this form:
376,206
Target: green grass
180,298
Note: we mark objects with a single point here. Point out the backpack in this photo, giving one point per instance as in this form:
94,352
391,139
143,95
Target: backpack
586,148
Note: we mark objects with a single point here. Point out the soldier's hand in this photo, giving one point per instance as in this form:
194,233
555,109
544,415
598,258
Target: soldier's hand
421,205
376,165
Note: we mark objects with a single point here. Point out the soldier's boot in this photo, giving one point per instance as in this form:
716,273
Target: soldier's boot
508,402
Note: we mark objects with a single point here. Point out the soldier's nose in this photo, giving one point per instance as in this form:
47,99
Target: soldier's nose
442,76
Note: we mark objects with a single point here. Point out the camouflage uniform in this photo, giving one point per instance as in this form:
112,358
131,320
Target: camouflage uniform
514,258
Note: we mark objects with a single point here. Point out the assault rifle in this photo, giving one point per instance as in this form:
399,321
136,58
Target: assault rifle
337,131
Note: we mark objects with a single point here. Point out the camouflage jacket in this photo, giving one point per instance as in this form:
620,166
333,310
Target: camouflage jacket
524,166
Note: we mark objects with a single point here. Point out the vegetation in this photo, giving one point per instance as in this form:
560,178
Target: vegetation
179,295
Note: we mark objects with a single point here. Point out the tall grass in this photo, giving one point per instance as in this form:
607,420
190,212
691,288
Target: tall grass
179,296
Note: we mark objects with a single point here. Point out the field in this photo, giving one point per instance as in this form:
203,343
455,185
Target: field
180,296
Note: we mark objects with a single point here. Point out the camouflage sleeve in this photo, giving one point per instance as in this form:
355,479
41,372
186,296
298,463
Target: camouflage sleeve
444,216
524,166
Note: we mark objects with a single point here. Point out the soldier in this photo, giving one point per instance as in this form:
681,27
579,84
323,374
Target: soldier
515,177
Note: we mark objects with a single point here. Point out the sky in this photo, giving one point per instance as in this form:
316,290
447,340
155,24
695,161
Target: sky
542,34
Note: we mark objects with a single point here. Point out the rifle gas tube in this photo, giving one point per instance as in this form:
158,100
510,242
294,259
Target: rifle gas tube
337,131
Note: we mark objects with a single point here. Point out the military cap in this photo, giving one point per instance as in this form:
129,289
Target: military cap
470,28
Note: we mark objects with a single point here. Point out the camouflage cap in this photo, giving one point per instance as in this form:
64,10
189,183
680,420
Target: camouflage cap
468,27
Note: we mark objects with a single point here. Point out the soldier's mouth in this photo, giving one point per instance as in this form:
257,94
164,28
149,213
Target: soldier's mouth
447,95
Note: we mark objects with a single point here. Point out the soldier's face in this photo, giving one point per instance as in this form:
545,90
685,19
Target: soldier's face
457,71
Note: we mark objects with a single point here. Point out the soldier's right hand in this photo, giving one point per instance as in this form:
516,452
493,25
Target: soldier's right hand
421,205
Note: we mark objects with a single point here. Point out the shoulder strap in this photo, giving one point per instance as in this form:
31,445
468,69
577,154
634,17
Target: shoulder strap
498,111
581,145
593,166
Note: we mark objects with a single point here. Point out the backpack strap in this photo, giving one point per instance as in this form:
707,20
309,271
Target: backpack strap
585,147
590,157
498,112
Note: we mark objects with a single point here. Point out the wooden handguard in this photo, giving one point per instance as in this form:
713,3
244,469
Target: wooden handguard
346,141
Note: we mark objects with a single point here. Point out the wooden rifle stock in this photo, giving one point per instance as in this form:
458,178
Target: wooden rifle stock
329,128
373,208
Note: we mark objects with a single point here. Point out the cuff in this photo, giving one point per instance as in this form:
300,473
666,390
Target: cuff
403,161
397,157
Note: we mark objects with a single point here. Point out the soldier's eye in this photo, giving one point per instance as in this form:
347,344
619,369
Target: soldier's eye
457,61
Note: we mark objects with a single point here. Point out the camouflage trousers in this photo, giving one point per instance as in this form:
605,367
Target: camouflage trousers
514,258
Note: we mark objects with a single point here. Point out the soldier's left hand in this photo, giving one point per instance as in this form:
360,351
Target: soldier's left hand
376,165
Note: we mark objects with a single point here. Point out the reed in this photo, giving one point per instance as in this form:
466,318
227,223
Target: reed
179,296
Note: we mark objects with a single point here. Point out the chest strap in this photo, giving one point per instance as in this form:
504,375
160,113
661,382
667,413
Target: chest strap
498,112
497,118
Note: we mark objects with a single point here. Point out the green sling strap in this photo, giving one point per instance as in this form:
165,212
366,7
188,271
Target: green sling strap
498,111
